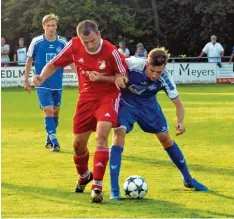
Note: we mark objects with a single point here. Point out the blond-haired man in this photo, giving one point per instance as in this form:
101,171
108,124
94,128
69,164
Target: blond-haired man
42,50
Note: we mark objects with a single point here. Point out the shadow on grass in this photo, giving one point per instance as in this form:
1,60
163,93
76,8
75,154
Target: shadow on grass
221,195
127,207
193,167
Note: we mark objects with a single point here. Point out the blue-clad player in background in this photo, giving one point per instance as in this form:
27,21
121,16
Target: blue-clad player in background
139,104
42,50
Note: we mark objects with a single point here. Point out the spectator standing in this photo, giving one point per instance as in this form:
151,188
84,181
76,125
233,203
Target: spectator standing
214,51
5,50
140,51
123,50
20,55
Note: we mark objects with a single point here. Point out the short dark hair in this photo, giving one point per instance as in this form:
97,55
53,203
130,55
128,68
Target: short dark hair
157,57
86,27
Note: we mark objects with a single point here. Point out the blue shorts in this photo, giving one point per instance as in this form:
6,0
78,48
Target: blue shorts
150,118
48,97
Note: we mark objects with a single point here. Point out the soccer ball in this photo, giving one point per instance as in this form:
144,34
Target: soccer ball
135,187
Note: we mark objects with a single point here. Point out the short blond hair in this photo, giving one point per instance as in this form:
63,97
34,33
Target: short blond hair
49,17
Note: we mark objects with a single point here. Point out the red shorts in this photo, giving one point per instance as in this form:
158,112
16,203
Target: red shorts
89,112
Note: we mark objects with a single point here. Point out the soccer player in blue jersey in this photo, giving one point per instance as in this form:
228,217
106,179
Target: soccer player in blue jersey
139,104
42,50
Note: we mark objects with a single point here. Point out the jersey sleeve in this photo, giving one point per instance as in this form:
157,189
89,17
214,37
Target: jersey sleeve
134,63
117,62
65,57
169,85
32,47
62,40
205,49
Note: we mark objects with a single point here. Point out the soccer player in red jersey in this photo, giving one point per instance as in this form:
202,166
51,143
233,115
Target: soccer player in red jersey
98,102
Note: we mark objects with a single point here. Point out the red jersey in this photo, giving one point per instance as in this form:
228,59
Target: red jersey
107,61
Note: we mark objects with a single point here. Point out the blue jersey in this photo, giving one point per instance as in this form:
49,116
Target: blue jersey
43,51
141,90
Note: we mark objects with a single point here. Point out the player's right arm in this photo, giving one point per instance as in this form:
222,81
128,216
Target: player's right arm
28,65
63,59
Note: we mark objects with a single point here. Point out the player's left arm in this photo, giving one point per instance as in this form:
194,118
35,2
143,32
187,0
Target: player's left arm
171,91
118,64
180,129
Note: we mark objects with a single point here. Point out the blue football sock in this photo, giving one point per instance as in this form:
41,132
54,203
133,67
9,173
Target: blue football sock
56,125
115,164
56,121
178,159
51,129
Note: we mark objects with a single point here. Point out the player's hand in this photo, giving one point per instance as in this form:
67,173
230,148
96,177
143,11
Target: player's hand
180,129
121,82
37,80
27,86
94,76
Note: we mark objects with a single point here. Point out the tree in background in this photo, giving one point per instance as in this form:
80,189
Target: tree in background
182,26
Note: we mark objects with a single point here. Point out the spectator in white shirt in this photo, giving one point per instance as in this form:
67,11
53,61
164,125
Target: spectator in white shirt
123,50
214,51
20,55
5,50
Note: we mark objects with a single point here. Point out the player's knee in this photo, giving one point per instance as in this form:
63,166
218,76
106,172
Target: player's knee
56,111
166,141
48,111
101,139
79,146
119,136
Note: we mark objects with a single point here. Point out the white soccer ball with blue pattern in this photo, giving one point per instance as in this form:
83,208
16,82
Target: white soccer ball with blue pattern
135,187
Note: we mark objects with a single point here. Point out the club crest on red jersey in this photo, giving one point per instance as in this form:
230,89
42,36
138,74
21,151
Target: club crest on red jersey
102,64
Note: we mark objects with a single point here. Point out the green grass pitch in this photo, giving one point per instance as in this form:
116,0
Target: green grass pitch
37,183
